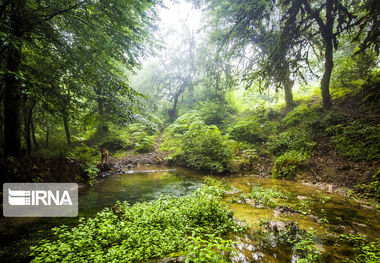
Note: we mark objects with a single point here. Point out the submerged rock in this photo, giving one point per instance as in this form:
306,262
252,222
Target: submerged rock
277,226
169,260
240,223
285,209
233,191
246,251
315,218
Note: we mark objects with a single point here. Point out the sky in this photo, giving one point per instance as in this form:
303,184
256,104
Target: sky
172,19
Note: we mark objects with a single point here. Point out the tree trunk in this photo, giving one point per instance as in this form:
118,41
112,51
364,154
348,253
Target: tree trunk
327,34
26,115
102,128
325,82
33,132
288,85
173,111
1,126
12,102
67,130
47,136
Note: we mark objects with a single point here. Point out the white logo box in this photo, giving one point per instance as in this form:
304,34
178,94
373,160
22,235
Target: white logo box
40,199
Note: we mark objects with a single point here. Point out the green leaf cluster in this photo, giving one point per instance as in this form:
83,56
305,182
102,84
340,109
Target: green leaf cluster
144,231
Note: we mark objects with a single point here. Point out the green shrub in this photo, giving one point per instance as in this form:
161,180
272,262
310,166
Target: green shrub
371,190
211,249
356,141
143,126
288,163
115,144
145,144
248,130
297,115
143,231
196,145
84,154
304,246
266,196
365,251
214,112
140,137
292,139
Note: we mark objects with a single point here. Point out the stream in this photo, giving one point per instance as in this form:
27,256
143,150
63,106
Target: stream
322,211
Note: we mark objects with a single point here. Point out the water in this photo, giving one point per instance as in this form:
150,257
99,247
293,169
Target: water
331,208
140,185
148,183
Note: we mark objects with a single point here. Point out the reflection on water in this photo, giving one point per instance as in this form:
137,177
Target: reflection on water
149,183
139,186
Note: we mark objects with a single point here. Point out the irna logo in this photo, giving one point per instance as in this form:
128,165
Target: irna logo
19,197
40,199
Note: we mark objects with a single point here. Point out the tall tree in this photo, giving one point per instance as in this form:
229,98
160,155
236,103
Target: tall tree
323,22
73,30
251,34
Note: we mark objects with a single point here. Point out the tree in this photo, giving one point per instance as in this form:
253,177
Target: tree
80,32
284,32
250,34
175,72
323,22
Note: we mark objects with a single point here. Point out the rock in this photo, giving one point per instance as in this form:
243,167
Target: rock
360,224
233,191
240,223
246,201
277,226
169,260
301,197
339,229
285,209
315,218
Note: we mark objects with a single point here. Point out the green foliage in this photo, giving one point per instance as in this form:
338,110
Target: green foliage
365,251
293,139
92,173
351,72
246,159
214,112
304,246
356,140
197,145
248,130
218,184
139,136
212,249
287,164
145,231
297,115
84,154
266,196
371,190
115,144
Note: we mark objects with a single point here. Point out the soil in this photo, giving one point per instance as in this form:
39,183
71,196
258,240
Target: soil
328,166
131,161
29,169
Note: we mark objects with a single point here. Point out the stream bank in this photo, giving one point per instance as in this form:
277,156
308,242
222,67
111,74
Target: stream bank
269,208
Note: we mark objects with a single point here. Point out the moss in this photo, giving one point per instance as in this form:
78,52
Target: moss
286,165
356,140
292,139
301,113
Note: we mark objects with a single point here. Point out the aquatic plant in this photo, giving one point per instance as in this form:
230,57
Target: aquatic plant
143,231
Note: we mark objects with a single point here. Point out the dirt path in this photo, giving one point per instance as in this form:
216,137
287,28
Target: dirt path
131,161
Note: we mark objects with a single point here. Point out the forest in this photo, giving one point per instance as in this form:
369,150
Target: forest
197,130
